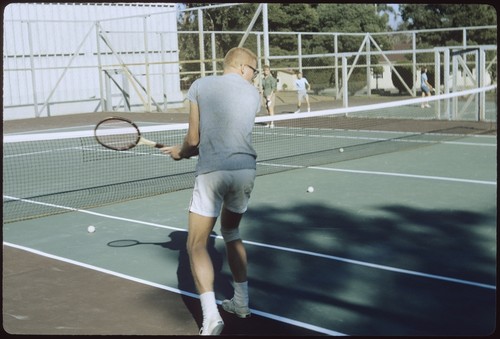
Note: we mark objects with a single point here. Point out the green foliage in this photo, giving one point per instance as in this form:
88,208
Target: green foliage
378,70
283,17
232,18
356,81
430,16
333,17
350,18
293,17
406,73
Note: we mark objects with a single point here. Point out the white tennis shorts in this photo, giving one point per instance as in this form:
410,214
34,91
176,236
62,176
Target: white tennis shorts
231,188
301,95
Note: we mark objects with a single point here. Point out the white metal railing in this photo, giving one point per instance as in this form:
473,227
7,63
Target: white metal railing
43,75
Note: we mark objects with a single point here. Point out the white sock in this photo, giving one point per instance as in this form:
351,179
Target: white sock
241,293
209,305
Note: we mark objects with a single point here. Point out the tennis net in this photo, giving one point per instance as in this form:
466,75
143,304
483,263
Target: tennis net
52,173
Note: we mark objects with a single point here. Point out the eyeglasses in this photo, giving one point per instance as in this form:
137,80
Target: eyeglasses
255,72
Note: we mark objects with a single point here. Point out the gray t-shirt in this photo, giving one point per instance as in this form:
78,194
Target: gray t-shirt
228,105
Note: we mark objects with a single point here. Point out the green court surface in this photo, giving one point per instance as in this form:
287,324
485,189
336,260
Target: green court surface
402,243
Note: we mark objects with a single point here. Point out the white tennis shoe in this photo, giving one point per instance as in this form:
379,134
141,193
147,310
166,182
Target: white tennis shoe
212,326
240,311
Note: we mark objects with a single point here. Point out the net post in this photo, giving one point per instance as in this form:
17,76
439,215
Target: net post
214,53
32,67
265,32
446,78
344,82
480,66
454,69
201,43
368,65
99,65
299,51
437,79
336,51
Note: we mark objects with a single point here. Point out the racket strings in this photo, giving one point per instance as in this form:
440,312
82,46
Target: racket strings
117,134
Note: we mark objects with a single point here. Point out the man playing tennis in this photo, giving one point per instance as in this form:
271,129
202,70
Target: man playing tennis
302,87
221,119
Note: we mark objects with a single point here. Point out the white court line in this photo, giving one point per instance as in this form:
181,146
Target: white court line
174,290
52,130
427,177
465,143
287,249
376,266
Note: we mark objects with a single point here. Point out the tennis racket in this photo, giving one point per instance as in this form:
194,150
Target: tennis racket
120,134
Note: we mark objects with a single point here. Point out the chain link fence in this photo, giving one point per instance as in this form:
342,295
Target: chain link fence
145,62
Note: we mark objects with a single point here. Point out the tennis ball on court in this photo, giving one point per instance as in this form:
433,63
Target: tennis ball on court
91,229
341,150
310,189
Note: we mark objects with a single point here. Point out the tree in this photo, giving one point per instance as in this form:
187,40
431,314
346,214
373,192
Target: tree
293,17
290,18
431,16
285,17
230,18
353,18
418,16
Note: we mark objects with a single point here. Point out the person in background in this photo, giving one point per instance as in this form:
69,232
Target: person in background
269,86
425,86
302,87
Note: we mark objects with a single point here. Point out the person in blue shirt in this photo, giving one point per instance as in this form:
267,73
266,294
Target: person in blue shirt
425,86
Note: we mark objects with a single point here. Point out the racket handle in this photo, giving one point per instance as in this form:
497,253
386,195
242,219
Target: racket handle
159,145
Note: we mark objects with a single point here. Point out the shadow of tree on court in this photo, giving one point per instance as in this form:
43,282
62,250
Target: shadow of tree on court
185,282
311,263
184,275
362,300
253,326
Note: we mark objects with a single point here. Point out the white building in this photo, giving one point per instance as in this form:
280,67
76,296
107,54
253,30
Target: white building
286,80
82,57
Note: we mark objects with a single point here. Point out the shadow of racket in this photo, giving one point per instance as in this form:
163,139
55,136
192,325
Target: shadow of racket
131,242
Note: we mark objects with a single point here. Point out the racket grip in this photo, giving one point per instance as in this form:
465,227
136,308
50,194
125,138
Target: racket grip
159,145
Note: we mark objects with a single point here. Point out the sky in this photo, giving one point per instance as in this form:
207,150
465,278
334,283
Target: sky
394,20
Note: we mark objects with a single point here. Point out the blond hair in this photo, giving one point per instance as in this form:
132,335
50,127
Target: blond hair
239,56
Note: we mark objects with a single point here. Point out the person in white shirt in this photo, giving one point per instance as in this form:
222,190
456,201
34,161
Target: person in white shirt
302,87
